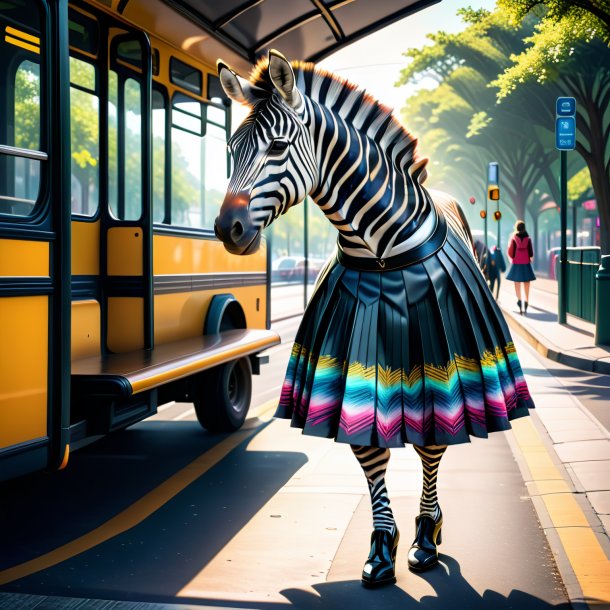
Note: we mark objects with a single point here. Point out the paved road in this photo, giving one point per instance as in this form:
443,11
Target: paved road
266,518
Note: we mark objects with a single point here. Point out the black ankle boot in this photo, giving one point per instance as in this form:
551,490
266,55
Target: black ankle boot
379,567
423,553
525,307
519,306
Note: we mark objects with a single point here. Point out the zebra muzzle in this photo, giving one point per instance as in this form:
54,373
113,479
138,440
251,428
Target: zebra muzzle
234,227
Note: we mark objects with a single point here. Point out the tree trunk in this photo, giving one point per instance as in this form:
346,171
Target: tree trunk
552,182
596,162
537,249
519,200
601,187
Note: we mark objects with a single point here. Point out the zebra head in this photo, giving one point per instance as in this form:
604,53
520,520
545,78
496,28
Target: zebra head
274,163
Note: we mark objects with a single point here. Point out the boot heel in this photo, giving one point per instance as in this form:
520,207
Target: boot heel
423,553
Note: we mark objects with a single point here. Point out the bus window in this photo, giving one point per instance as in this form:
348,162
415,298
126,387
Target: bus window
124,154
216,181
27,135
133,150
186,76
27,105
187,178
84,32
199,162
113,142
159,117
85,137
21,119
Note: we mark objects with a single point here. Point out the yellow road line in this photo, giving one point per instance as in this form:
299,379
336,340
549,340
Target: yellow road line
145,506
583,549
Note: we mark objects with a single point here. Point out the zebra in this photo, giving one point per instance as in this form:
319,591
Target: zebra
401,342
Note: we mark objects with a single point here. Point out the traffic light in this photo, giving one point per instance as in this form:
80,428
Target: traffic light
483,214
497,214
493,192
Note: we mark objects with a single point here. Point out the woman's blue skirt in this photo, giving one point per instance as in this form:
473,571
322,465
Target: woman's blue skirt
521,273
418,355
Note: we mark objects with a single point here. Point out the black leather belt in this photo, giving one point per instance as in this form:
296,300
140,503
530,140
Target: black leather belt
410,257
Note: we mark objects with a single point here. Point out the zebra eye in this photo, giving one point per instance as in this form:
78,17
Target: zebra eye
278,146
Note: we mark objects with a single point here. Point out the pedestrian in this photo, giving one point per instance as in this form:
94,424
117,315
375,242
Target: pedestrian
497,266
482,255
521,254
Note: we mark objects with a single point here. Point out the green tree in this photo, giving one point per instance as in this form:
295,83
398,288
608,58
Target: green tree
586,15
475,130
569,59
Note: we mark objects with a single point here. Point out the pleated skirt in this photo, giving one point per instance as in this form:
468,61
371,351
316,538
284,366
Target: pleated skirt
521,272
418,355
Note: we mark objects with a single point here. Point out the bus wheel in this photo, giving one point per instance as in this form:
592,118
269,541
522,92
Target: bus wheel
223,396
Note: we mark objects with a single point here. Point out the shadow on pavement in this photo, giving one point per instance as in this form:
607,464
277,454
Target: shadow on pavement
44,510
451,592
451,589
156,557
541,315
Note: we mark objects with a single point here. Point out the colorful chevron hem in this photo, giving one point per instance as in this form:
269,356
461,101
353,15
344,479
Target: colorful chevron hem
327,397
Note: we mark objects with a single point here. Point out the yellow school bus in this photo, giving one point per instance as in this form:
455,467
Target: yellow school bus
115,296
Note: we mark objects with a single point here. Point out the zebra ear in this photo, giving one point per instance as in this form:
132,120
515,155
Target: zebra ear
236,87
283,79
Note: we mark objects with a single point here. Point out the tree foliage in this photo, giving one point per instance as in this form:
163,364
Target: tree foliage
464,108
498,81
582,19
568,54
579,184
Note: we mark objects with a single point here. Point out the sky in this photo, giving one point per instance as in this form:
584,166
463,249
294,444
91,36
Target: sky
374,63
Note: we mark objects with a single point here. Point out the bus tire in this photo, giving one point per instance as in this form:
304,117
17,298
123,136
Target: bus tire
223,396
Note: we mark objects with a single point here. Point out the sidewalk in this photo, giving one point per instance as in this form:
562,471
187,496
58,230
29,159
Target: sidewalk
579,441
571,344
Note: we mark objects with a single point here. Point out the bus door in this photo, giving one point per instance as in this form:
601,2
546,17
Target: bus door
126,219
34,237
125,282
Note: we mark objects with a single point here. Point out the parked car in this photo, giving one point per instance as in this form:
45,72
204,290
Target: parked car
314,266
284,269
292,269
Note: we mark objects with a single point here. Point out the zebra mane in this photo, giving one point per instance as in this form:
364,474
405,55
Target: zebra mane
355,105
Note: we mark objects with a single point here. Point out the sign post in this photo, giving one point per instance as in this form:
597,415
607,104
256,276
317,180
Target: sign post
565,139
493,192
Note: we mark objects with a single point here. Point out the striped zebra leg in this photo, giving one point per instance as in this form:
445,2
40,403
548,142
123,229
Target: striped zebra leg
374,462
430,459
423,553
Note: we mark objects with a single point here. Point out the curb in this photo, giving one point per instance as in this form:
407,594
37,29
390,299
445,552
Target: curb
569,524
551,351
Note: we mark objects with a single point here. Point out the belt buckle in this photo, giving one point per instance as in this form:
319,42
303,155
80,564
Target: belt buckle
381,263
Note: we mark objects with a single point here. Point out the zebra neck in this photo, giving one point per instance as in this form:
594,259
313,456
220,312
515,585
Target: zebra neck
376,205
391,238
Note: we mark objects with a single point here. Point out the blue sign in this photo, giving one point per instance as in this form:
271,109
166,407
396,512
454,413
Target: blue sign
565,133
493,173
565,106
